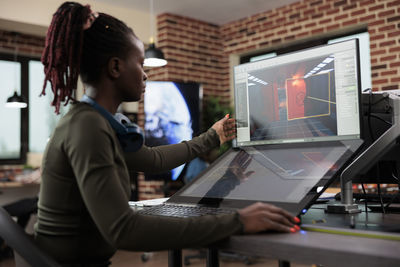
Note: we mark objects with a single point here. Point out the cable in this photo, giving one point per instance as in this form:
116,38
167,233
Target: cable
370,92
379,118
379,188
369,116
381,99
394,195
391,200
365,199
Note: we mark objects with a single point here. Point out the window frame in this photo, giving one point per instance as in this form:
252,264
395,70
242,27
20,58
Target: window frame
24,141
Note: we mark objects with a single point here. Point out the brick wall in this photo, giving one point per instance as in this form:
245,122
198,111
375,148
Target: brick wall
194,51
28,45
308,18
199,51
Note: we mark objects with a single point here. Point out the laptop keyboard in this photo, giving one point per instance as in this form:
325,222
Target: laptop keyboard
182,211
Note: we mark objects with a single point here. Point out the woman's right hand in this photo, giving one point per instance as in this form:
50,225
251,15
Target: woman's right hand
263,217
225,129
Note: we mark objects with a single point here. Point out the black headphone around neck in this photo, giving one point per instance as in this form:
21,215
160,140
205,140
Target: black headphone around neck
130,135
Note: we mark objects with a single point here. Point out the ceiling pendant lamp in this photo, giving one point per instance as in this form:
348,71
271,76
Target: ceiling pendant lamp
153,57
16,101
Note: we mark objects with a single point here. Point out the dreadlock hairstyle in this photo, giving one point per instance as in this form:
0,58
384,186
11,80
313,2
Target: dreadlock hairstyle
70,50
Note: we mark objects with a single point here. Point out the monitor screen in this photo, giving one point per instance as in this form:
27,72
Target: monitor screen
172,115
289,177
269,174
305,96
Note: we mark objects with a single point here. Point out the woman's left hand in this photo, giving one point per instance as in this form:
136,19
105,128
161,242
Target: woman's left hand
225,129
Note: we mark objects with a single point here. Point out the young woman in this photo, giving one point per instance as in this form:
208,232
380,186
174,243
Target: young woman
83,211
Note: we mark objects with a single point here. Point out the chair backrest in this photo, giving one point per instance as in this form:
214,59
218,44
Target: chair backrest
17,239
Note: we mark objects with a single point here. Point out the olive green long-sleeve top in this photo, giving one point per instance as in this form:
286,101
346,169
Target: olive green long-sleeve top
83,211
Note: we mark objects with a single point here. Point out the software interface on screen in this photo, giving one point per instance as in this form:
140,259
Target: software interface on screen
306,96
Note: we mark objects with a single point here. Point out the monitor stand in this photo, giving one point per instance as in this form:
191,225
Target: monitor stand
367,158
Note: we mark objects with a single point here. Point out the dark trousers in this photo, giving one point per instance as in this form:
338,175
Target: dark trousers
22,209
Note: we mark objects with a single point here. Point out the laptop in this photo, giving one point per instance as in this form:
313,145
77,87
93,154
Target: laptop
298,125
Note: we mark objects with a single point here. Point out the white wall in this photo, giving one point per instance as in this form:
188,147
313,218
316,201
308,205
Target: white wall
34,16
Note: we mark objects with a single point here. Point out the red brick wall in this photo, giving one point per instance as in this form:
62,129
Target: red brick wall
308,18
198,51
28,45
195,53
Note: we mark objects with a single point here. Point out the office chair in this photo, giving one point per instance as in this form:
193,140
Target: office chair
21,243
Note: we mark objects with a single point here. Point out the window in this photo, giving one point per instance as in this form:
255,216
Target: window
27,129
10,118
42,118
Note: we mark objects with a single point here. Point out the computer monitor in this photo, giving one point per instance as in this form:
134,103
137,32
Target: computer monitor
306,96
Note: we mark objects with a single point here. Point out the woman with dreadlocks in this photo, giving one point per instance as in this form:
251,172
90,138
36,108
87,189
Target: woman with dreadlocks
83,211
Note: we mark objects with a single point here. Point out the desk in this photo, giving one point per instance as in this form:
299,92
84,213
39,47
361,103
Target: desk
317,248
309,247
13,191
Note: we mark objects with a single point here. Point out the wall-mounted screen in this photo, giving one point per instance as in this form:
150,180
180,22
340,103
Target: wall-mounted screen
172,115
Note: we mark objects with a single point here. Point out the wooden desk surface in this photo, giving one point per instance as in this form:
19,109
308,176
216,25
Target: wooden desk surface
317,248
